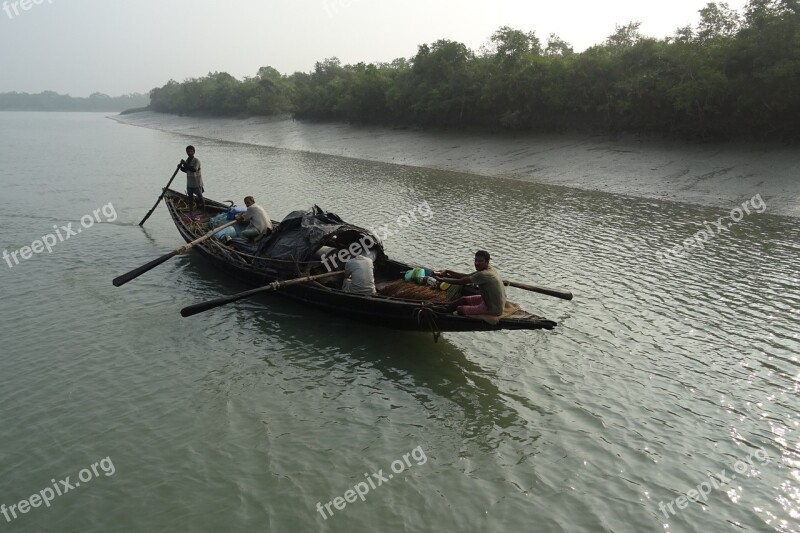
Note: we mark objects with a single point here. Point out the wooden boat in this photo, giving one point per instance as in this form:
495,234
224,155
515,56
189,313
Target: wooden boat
260,268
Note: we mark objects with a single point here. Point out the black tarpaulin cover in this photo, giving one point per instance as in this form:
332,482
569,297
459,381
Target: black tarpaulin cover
301,233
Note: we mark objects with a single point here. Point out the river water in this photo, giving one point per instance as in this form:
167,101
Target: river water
663,378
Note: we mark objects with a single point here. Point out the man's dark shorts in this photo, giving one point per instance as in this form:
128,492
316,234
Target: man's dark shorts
195,191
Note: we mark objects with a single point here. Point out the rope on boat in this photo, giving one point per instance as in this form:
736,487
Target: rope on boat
425,311
227,252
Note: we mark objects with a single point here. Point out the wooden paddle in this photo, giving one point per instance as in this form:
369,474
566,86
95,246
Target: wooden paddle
136,272
211,304
160,197
564,295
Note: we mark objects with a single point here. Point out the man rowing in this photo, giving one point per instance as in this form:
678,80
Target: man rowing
492,297
194,179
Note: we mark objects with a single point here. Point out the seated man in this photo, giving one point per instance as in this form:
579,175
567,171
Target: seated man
360,276
492,297
260,222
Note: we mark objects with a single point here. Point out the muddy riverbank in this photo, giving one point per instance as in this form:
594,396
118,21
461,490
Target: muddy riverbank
720,174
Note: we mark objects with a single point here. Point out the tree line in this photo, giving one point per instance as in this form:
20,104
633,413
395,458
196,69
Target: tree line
52,101
733,74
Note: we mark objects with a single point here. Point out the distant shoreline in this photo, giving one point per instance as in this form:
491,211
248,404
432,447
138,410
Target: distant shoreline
58,111
52,101
715,174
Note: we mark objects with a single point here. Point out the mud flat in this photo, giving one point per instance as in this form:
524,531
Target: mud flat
719,174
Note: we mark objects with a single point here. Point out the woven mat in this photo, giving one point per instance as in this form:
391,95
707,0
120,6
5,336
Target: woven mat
412,291
509,310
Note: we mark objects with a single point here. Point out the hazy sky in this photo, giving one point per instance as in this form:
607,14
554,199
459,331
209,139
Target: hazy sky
122,46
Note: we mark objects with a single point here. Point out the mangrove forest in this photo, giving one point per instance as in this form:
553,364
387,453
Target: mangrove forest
732,74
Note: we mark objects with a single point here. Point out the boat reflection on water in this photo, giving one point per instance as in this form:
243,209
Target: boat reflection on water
304,350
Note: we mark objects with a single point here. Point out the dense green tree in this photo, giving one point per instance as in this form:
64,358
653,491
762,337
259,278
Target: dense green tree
556,46
717,21
440,84
624,36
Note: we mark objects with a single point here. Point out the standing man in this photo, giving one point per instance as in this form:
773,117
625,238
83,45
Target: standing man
194,179
492,297
258,218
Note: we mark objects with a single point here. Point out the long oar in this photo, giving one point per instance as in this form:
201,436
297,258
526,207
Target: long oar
211,304
136,272
160,197
564,295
